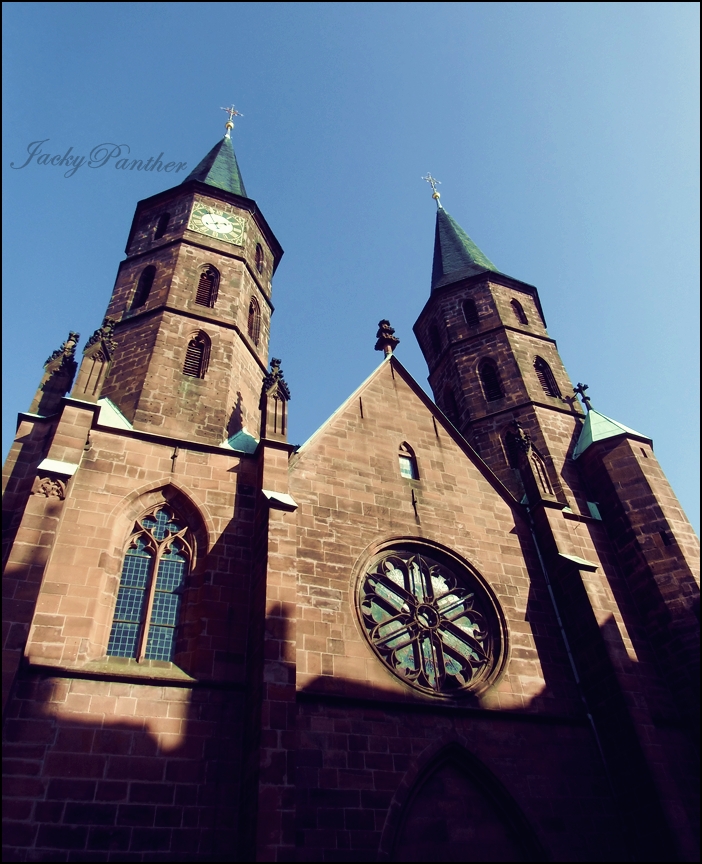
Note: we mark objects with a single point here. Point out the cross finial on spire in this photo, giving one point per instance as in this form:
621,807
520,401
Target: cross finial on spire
435,194
580,390
229,125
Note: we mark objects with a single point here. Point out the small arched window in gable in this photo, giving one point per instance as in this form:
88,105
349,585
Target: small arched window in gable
408,462
162,225
435,339
207,287
470,313
197,356
259,258
519,312
490,379
154,571
143,289
546,378
254,322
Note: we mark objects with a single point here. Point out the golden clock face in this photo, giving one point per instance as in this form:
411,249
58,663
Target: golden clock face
215,223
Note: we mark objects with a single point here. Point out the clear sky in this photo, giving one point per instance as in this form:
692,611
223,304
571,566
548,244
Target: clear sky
565,136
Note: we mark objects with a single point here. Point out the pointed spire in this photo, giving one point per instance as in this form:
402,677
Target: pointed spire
220,168
455,255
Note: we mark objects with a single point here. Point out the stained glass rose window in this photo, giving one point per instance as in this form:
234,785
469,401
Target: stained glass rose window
431,622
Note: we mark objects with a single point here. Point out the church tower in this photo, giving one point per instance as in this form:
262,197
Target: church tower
192,306
492,364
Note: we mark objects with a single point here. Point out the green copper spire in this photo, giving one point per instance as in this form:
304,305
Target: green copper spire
597,427
455,255
220,168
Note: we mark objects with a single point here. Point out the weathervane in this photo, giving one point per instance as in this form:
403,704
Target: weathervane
580,390
435,194
230,123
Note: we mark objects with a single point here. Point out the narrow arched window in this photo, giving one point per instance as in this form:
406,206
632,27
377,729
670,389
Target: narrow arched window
207,286
162,225
408,462
470,313
519,312
197,356
143,289
154,571
490,379
450,405
435,339
254,322
259,258
546,378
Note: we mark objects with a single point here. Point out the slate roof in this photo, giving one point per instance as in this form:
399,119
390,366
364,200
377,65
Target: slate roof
597,427
220,168
455,255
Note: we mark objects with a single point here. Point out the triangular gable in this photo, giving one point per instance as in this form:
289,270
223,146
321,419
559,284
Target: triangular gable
392,365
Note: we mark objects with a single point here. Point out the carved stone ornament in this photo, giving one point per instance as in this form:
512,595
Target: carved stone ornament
433,625
274,383
102,337
66,353
387,341
49,487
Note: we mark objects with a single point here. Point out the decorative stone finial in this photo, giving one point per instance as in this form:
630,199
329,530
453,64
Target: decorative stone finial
229,125
66,352
103,334
580,391
274,383
436,195
386,340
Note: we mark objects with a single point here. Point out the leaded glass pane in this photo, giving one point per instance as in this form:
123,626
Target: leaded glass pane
406,467
123,640
425,624
162,523
160,643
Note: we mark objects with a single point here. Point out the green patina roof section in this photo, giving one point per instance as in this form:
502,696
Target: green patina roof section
597,427
220,168
455,255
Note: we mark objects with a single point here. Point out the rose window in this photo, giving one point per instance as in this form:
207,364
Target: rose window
436,631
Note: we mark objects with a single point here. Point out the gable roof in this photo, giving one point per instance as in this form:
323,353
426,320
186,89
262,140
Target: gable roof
597,427
396,367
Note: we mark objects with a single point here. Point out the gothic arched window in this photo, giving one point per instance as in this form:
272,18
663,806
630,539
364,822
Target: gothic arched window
430,620
155,567
143,289
546,378
254,322
470,313
162,225
259,258
519,312
207,286
435,339
197,356
490,379
408,462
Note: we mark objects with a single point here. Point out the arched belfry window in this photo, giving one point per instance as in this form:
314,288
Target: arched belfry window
207,287
519,312
546,378
450,405
156,564
470,313
259,258
162,225
408,462
435,339
490,379
197,356
254,322
143,289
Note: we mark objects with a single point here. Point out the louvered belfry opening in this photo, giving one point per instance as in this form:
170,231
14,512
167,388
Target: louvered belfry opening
519,312
470,313
162,225
435,339
491,382
143,289
546,378
254,322
206,294
197,356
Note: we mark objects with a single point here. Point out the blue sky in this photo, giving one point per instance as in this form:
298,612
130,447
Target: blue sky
565,136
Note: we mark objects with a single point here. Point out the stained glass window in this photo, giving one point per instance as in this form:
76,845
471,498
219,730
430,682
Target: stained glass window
430,626
153,576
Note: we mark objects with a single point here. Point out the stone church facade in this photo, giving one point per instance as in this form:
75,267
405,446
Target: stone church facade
460,630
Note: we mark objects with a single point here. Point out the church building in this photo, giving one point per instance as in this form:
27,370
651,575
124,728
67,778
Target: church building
464,629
